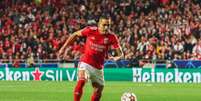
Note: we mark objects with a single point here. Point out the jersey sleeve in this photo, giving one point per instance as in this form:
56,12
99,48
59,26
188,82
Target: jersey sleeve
85,31
114,42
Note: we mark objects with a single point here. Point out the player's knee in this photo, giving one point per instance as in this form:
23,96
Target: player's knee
82,75
82,78
99,89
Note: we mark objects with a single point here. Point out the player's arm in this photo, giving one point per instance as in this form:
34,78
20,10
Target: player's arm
69,41
116,48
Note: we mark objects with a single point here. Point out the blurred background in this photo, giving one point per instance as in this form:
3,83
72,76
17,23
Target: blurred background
152,33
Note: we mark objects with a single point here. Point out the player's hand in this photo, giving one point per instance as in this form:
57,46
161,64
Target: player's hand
113,58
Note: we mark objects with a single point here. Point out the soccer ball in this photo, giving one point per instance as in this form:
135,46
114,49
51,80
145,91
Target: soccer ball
128,96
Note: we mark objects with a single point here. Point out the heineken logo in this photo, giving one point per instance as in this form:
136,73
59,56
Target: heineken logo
37,74
166,75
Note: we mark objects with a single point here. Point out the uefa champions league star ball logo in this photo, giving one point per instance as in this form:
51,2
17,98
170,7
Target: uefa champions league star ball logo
128,96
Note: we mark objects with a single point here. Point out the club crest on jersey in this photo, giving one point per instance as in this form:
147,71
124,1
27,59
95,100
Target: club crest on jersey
106,40
92,38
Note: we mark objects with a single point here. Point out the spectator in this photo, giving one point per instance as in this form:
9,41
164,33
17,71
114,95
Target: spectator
30,61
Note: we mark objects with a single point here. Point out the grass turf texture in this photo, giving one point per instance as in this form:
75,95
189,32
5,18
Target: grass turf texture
62,91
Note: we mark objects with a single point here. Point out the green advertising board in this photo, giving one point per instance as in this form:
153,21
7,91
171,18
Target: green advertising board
27,74
110,74
59,74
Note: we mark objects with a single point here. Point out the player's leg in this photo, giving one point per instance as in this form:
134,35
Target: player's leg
80,84
97,80
97,93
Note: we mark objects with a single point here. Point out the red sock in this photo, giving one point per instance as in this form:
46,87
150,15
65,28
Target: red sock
96,96
78,90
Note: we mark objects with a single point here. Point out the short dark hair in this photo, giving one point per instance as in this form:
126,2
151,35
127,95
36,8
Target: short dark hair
105,16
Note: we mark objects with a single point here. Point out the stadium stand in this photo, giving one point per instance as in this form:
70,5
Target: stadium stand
147,29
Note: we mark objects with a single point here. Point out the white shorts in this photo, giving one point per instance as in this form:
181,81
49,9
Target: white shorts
91,73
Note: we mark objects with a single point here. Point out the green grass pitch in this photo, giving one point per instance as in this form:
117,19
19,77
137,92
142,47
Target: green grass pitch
62,91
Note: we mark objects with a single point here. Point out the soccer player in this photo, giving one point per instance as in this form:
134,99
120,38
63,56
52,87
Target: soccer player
99,39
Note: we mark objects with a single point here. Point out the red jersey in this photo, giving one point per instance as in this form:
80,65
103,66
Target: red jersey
97,45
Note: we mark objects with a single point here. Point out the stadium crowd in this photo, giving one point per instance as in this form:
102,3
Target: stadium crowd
147,29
